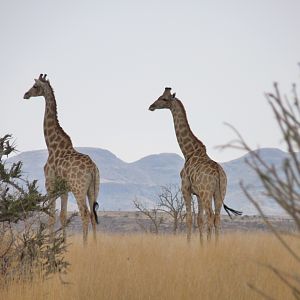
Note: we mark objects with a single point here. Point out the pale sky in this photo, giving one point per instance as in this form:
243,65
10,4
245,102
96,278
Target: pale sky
109,60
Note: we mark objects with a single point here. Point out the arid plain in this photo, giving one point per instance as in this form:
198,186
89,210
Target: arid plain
137,265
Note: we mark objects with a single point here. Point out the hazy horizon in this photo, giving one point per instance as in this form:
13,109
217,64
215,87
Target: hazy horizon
80,148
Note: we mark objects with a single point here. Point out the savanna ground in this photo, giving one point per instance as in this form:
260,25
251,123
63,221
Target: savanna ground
146,266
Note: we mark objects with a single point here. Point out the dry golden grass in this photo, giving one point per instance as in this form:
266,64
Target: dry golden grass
165,267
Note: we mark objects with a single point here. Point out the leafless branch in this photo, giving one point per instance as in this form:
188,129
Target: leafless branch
152,214
282,184
171,201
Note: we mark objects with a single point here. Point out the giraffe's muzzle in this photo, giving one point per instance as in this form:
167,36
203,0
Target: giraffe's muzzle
26,96
152,107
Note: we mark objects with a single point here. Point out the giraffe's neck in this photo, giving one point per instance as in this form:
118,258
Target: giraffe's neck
55,136
187,141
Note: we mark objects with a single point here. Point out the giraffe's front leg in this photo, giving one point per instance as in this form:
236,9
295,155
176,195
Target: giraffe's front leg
49,183
63,214
51,221
187,196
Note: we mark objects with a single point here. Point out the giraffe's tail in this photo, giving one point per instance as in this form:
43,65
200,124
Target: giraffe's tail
96,183
95,208
231,210
222,189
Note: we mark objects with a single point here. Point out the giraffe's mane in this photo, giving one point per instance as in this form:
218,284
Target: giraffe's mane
55,106
189,128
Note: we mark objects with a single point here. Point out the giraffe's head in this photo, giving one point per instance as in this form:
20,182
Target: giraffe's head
38,89
164,101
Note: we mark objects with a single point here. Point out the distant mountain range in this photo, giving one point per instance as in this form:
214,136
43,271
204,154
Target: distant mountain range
122,182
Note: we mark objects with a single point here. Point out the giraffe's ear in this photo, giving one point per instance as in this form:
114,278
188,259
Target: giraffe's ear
37,81
173,95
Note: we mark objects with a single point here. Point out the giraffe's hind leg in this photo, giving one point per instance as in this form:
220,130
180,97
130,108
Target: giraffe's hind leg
92,200
200,220
210,220
218,201
84,213
206,199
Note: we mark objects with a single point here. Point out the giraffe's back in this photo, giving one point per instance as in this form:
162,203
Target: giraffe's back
75,168
203,173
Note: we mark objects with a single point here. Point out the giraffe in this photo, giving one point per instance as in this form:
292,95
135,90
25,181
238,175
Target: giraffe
77,170
200,176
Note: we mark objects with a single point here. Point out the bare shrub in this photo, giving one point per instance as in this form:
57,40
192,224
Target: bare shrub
281,184
170,201
151,214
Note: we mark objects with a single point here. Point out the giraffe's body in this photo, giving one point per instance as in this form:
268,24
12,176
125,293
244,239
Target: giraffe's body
77,170
200,176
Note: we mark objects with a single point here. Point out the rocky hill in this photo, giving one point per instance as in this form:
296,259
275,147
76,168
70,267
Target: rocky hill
121,182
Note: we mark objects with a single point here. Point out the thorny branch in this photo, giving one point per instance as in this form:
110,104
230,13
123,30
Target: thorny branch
25,244
281,184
